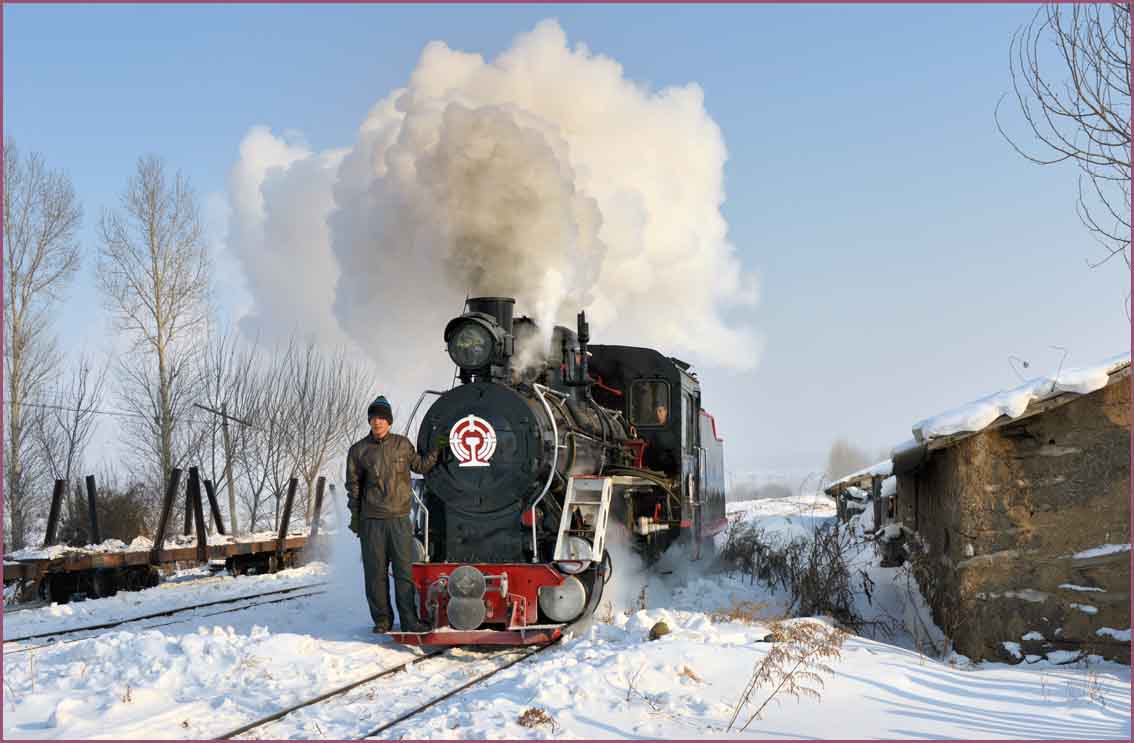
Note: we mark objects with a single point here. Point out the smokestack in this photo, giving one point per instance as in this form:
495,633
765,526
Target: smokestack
498,307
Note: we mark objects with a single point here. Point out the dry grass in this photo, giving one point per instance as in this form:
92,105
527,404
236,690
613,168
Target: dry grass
690,674
1089,686
745,612
639,604
534,717
793,666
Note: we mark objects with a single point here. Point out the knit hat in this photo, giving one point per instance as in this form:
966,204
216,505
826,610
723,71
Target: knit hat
380,408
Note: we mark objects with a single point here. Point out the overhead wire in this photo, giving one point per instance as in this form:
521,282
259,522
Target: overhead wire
117,413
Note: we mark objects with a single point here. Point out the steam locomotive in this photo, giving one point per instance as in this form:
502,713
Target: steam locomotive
553,443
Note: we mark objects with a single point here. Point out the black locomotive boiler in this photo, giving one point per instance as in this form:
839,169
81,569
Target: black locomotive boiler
552,442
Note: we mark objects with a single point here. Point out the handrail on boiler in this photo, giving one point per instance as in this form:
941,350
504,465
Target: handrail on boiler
539,390
405,432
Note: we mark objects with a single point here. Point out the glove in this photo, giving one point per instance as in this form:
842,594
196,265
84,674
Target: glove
354,522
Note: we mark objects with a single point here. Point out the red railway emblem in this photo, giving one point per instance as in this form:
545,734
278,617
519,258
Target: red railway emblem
472,441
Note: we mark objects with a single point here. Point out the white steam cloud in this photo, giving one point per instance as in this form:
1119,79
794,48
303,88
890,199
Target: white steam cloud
544,174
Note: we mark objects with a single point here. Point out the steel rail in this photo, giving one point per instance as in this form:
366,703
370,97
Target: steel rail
483,677
166,624
323,697
169,612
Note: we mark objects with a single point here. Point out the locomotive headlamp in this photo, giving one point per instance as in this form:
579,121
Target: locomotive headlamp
471,344
480,341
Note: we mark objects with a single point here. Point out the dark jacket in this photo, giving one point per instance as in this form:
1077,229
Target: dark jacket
378,475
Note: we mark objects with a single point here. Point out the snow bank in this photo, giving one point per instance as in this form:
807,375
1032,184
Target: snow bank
1012,403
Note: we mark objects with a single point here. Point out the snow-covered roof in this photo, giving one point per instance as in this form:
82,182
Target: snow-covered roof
879,469
1012,403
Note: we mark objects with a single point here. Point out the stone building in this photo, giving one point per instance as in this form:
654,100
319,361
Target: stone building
1017,509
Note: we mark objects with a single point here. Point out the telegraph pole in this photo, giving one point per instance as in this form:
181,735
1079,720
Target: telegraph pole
224,416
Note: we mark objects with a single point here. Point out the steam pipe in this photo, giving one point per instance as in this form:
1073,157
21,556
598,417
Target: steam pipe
405,432
539,390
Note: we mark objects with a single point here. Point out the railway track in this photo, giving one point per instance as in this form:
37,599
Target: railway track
441,698
261,722
155,615
520,655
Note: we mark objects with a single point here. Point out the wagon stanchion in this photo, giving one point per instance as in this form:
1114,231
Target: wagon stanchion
285,519
53,514
166,508
92,511
194,491
213,506
319,485
187,524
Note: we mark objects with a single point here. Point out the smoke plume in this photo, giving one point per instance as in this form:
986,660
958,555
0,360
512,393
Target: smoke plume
543,174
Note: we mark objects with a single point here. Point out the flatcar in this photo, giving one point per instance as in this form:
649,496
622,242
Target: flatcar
552,443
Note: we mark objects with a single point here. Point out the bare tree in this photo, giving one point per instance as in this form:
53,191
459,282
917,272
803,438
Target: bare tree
1083,118
328,393
845,458
140,384
305,405
66,423
265,460
155,271
228,388
41,217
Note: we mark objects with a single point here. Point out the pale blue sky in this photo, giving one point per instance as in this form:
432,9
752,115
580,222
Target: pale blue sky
903,250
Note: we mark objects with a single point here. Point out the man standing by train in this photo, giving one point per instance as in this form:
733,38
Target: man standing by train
379,496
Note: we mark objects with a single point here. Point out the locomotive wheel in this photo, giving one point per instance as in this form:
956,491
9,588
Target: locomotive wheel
103,583
133,580
606,567
58,588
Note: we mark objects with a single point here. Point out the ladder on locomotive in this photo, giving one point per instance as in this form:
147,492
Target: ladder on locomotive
590,496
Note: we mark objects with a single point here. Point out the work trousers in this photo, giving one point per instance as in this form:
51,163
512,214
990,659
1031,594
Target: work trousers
385,542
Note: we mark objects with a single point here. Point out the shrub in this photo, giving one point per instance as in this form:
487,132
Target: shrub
814,571
122,514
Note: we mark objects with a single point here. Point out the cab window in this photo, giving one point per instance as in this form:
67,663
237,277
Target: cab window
649,403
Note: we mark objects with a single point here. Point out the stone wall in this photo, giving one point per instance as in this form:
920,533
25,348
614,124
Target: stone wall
1001,515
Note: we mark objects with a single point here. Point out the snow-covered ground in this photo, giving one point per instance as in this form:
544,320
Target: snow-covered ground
203,677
